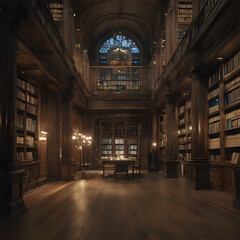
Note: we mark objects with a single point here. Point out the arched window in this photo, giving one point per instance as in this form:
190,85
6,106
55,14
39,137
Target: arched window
119,51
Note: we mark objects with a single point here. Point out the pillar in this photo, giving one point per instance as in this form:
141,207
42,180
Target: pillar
198,167
68,166
11,174
170,163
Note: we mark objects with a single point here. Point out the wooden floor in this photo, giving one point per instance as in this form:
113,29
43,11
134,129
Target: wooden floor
147,208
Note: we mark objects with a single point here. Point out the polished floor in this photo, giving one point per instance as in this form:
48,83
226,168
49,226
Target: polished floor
146,208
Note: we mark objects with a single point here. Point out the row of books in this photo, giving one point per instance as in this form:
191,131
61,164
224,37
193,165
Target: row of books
181,121
31,88
182,139
232,96
29,156
20,122
188,146
233,123
105,152
188,104
213,93
20,140
181,109
232,64
32,109
107,147
232,141
213,109
215,77
132,141
188,156
21,83
31,125
21,105
214,125
32,100
214,143
119,141
132,152
30,142
187,19
21,95
233,114
185,5
214,157
232,83
235,158
20,156
181,147
132,147
184,10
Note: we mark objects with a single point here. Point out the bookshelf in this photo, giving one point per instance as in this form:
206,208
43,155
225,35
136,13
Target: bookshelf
120,138
224,123
185,15
184,133
27,130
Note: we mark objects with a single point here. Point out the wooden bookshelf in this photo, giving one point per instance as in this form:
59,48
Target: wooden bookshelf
184,133
224,124
185,15
27,131
120,138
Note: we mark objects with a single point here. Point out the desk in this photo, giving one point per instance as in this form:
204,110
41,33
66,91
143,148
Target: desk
118,165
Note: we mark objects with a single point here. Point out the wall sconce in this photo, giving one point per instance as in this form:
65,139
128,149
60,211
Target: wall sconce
154,144
43,136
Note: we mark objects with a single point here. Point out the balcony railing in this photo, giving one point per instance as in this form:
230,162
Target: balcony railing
185,45
120,80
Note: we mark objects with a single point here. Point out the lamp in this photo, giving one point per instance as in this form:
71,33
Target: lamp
80,142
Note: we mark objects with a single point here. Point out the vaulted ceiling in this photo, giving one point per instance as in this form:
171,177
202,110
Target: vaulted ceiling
99,20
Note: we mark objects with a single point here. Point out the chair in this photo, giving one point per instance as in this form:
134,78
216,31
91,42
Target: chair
136,167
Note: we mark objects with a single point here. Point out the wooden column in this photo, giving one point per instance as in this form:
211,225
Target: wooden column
170,163
198,167
68,167
11,174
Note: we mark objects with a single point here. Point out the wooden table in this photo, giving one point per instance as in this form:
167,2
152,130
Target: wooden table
118,165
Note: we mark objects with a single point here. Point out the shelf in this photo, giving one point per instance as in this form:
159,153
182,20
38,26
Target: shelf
232,105
215,133
32,104
32,114
232,130
232,87
181,134
213,114
211,98
31,147
231,74
21,89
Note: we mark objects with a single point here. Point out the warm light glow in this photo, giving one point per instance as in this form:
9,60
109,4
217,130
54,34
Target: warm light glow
74,137
219,58
190,127
42,138
44,132
154,144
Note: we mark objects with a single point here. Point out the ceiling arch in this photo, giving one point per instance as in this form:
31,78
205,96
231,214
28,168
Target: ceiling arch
100,18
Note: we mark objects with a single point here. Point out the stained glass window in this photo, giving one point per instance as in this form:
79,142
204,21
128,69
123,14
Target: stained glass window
119,51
